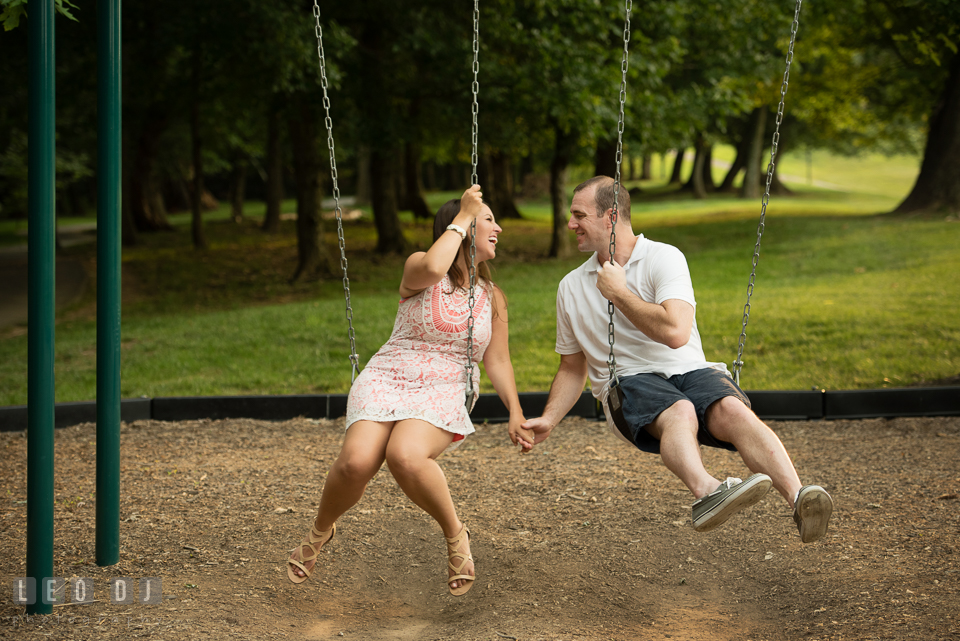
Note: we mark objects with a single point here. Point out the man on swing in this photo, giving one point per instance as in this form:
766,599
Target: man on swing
674,400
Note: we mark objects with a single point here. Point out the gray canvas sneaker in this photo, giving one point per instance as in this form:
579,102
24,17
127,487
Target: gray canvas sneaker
811,512
732,496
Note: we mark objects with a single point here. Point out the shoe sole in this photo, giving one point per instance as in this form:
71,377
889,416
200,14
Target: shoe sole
745,495
814,507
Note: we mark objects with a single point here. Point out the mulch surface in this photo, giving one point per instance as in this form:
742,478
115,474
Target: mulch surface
583,539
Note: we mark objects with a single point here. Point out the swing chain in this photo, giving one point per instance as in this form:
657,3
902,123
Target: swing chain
354,359
738,364
615,215
475,88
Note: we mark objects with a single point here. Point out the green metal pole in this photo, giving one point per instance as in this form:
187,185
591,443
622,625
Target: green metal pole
108,282
41,270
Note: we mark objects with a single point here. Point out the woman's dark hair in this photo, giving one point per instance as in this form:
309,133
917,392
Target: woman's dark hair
445,215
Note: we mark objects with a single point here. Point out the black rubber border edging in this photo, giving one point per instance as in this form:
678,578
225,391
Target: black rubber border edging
14,418
769,405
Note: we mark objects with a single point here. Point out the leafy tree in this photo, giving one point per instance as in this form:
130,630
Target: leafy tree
873,75
556,78
402,82
730,65
76,143
12,10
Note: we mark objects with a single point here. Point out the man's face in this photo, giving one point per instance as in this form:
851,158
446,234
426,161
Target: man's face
593,232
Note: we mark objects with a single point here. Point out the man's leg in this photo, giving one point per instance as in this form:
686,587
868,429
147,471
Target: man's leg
730,420
676,429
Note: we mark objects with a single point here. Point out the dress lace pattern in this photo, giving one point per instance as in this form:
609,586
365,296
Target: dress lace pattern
420,371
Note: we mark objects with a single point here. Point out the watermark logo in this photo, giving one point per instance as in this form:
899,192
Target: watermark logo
58,591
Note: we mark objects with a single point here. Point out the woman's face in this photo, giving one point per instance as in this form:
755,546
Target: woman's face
487,232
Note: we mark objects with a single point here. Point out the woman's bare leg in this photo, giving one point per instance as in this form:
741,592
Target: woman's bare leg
363,452
411,455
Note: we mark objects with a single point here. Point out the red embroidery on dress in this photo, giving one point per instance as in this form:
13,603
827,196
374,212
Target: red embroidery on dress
419,372
450,311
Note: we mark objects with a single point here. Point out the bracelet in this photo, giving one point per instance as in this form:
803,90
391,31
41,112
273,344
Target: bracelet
460,230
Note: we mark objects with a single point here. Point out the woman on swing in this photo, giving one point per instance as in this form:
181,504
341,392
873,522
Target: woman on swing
407,406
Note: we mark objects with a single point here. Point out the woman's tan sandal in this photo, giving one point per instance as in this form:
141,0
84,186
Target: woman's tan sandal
314,542
454,553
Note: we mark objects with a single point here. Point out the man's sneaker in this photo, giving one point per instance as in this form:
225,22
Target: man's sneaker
732,496
811,512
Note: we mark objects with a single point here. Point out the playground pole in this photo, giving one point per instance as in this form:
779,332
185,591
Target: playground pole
108,282
41,270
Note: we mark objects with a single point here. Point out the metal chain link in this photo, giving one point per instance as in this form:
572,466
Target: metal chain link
354,359
738,364
615,216
473,181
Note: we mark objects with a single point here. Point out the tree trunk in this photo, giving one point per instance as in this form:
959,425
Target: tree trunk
363,176
399,184
562,151
752,164
274,162
646,171
526,168
182,191
380,133
238,185
501,187
675,176
383,172
313,260
701,179
727,185
605,158
707,169
483,171
696,182
196,198
146,201
938,184
413,181
429,171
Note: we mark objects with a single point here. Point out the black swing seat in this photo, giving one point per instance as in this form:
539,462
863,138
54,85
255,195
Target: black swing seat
615,405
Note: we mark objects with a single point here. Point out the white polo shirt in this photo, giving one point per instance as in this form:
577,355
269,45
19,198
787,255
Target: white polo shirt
656,272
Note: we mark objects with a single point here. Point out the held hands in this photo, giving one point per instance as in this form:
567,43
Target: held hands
519,436
611,279
539,427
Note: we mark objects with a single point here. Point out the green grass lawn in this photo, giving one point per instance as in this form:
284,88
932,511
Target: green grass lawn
844,298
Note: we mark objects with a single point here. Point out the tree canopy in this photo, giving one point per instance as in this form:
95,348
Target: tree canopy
223,88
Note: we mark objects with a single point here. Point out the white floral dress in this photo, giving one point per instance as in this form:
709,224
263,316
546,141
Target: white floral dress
421,371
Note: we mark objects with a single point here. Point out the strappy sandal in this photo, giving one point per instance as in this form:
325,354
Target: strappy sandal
453,552
315,542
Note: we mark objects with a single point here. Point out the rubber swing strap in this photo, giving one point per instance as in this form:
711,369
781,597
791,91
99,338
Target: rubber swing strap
615,401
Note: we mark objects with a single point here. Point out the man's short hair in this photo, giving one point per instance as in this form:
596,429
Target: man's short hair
603,197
